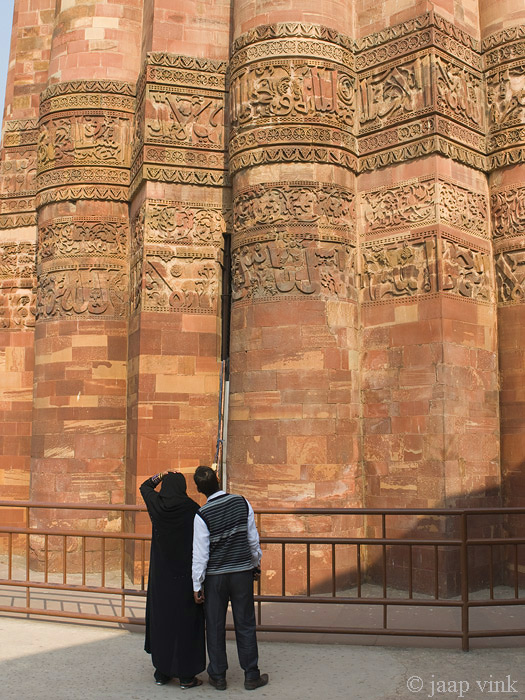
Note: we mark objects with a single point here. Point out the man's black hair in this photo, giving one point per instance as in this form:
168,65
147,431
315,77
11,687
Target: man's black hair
206,480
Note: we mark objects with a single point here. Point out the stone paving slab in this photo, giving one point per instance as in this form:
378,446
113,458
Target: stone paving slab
47,660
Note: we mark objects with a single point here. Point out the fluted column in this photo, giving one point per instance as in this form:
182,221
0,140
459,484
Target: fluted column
503,35
28,61
84,159
179,217
294,429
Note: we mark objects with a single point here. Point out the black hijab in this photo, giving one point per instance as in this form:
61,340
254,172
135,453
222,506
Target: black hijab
172,512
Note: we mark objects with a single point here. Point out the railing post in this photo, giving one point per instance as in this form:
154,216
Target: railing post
464,583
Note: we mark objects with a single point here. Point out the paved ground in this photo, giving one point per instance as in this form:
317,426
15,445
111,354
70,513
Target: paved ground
47,660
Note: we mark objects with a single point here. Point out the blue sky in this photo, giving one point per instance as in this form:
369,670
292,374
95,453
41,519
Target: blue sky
6,18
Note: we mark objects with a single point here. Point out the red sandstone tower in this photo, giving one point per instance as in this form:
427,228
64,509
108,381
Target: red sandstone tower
364,163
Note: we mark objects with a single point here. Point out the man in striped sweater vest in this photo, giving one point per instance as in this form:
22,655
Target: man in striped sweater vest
226,558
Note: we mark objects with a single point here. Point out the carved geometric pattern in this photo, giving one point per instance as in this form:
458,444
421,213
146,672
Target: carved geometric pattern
71,238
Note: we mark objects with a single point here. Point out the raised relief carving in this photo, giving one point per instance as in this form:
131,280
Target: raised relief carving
74,238
292,91
278,203
185,225
466,272
17,285
508,212
176,284
459,92
411,204
293,266
194,120
463,208
399,91
398,270
506,97
18,172
85,139
86,291
510,276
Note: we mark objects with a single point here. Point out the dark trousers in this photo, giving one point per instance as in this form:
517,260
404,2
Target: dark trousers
218,590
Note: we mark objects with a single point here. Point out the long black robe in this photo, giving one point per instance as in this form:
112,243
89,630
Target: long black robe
174,622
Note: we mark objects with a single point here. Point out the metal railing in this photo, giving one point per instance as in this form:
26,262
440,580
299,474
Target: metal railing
445,573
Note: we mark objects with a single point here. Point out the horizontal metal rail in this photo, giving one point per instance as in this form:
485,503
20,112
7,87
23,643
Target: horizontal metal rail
375,558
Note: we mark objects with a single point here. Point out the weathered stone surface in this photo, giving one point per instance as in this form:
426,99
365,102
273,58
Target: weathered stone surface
350,178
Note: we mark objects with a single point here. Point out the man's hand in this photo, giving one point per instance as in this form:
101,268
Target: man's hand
256,573
198,596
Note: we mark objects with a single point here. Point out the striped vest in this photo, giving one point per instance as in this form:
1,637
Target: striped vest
226,517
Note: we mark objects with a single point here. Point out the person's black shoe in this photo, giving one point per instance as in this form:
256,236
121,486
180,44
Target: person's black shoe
193,683
161,678
253,683
217,683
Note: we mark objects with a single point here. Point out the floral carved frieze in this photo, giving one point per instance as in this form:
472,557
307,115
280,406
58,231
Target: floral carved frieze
17,285
466,272
395,270
69,237
293,266
411,204
422,202
508,212
181,224
294,203
510,276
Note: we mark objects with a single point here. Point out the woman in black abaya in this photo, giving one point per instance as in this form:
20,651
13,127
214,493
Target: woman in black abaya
174,622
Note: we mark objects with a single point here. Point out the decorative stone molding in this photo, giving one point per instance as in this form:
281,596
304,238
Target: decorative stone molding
404,268
180,122
17,285
508,212
510,276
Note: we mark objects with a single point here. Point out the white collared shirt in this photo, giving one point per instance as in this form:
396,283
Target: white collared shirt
201,544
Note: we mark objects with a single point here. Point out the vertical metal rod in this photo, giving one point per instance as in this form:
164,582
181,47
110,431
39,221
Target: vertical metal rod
103,561
516,578
10,556
46,558
436,573
28,592
308,569
491,572
464,584
333,572
122,580
143,566
64,558
410,574
383,547
359,571
283,569
83,561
